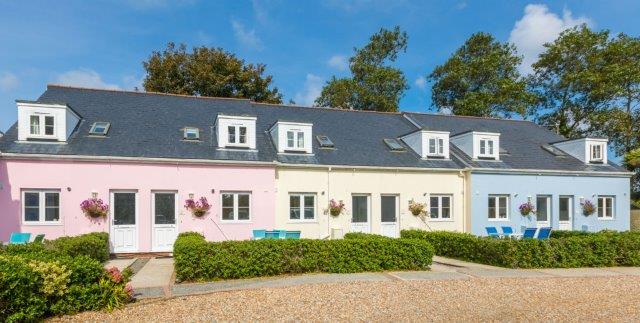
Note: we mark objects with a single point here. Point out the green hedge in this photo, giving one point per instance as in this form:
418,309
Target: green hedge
198,260
93,245
61,277
579,250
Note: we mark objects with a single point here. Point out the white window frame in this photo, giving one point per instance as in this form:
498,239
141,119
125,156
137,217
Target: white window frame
42,125
440,197
438,145
193,130
41,207
604,201
488,153
302,207
297,136
236,130
235,206
496,214
592,151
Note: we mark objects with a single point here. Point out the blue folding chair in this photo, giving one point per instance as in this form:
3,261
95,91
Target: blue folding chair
19,238
272,235
544,233
529,233
492,232
292,235
507,231
259,234
282,234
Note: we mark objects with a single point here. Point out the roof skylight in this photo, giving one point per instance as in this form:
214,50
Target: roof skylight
191,133
554,151
100,128
324,141
394,144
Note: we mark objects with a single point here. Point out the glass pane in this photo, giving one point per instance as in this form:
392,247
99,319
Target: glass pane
600,207
502,207
124,209
294,201
51,199
309,207
232,134
48,125
243,135
309,213
564,206
300,140
446,212
31,214
32,199
290,139
360,209
227,200
165,207
492,207
388,208
34,122
294,207
542,206
227,213
490,145
52,214
482,147
243,200
609,207
243,213
432,146
446,201
433,207
441,146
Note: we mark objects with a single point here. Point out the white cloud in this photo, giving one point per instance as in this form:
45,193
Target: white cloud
312,88
461,5
153,4
131,82
421,82
259,11
8,81
203,38
338,62
539,26
246,37
85,78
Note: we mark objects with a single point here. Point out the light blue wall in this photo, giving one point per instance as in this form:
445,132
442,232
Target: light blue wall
518,187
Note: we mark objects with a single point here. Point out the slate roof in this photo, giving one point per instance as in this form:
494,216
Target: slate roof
522,140
150,125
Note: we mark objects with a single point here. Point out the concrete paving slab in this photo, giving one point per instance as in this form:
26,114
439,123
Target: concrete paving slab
579,272
149,292
504,273
121,264
438,267
633,271
462,264
429,275
155,273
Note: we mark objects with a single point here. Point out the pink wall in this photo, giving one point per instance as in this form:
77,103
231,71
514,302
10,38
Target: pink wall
85,177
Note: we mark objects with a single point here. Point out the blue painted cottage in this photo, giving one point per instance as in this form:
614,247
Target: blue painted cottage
508,163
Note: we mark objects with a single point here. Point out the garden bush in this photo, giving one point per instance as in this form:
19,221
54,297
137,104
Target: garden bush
198,260
564,251
94,245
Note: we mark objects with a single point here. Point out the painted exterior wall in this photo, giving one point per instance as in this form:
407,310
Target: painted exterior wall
519,187
340,184
83,178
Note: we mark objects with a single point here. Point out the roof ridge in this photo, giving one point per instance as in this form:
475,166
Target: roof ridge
468,117
144,92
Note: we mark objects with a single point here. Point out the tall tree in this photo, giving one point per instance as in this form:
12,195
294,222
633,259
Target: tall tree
620,73
373,84
207,72
568,79
481,79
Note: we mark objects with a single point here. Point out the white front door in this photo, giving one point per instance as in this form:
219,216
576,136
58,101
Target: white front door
360,214
163,213
565,215
389,215
543,211
124,218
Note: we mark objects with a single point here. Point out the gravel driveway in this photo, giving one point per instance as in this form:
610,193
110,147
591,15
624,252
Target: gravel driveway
482,299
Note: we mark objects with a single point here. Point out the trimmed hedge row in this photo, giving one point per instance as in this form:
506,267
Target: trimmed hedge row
93,245
579,250
38,281
198,260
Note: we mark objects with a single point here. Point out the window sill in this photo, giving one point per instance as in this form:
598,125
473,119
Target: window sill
302,222
606,219
499,220
236,222
38,224
441,220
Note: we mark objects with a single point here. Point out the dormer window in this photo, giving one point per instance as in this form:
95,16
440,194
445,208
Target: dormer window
99,128
486,148
587,150
596,153
191,133
428,143
479,145
436,147
36,128
48,122
236,132
237,135
295,139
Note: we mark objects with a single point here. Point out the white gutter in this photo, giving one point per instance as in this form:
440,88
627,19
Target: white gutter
548,172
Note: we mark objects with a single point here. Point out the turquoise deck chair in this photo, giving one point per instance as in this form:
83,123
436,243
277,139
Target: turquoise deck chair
19,238
492,232
282,234
292,235
271,235
544,233
259,234
507,231
529,233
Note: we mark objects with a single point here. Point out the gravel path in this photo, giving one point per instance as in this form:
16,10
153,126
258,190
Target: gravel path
495,299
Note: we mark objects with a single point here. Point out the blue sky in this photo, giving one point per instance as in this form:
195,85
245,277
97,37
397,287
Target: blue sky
303,43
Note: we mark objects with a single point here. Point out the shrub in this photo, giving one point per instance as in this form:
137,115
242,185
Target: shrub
94,245
565,250
198,260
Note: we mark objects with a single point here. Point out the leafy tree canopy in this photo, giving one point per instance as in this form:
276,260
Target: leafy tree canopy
207,72
373,85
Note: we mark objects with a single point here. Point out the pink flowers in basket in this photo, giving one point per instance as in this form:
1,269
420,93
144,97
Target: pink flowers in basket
336,208
197,208
526,208
588,208
94,207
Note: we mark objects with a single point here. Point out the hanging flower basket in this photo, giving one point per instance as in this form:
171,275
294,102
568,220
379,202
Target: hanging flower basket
197,208
336,208
588,208
94,208
417,209
526,209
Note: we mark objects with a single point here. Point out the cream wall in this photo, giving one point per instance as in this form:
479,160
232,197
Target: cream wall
341,183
